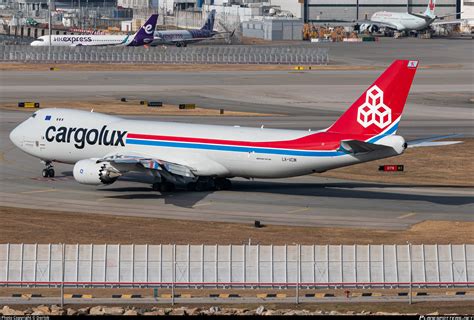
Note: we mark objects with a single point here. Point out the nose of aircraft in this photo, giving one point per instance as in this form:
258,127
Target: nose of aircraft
16,136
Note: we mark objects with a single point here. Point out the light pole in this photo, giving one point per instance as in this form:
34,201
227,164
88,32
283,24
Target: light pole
49,29
298,253
62,274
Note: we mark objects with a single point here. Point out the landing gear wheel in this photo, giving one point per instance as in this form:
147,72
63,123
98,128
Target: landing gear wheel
227,184
45,173
51,173
191,186
200,186
222,184
156,186
166,187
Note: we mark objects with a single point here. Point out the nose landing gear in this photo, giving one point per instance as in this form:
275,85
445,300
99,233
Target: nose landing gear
48,172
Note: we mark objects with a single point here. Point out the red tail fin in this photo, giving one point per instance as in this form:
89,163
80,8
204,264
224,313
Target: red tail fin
380,107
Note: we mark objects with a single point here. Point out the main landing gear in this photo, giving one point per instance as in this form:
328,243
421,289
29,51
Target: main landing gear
48,172
163,186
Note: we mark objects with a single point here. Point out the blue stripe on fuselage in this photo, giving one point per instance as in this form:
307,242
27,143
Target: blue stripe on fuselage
234,148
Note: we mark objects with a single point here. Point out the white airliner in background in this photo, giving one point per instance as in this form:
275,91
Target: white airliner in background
103,148
142,37
403,21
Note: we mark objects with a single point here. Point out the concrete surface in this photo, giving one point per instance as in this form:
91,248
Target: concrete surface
438,104
305,201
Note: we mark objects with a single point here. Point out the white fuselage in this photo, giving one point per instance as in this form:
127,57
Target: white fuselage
79,135
401,20
82,40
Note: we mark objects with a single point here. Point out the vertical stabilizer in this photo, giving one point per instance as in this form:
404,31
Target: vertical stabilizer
378,110
146,33
209,25
430,9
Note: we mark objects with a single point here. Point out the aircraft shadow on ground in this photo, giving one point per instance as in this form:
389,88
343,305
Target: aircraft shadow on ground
179,198
348,190
341,190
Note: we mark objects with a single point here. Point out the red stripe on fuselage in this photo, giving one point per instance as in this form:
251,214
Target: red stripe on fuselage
316,141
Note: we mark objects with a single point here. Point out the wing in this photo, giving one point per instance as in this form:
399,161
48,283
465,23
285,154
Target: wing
136,162
176,167
431,141
442,23
422,16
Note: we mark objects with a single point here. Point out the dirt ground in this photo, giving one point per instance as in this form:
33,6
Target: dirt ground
39,226
441,166
131,107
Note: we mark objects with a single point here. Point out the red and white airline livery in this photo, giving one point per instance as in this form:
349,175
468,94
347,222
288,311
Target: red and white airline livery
104,147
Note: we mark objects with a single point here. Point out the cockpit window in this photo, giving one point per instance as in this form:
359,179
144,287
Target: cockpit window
39,39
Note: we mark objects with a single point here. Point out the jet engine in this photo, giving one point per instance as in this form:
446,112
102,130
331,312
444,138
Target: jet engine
90,172
369,27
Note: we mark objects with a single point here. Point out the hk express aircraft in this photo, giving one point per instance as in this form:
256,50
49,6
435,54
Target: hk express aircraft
181,38
142,37
103,147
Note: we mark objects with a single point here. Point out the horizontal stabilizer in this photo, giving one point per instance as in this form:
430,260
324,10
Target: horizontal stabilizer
358,147
431,141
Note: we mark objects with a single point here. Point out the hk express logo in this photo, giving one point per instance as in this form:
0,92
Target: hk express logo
148,29
373,110
73,39
82,136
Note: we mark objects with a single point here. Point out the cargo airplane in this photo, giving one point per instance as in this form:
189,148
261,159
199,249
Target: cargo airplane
403,21
104,148
181,38
142,37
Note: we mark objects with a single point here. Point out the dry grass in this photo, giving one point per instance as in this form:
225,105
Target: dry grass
131,107
40,226
448,165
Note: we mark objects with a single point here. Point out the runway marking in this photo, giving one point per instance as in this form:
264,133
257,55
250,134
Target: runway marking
202,204
298,210
406,215
38,191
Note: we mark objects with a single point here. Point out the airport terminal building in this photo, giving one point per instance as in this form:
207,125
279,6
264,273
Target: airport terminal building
321,11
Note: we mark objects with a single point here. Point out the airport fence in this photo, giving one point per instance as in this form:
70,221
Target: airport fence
301,55
237,266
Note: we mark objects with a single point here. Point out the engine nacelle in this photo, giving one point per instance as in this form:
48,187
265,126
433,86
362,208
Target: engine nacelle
90,172
369,27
